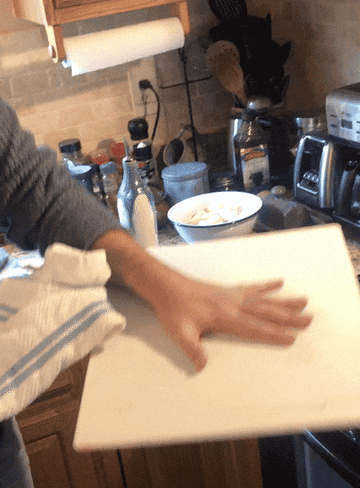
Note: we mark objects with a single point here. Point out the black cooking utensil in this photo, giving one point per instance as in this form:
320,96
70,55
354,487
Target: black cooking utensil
229,9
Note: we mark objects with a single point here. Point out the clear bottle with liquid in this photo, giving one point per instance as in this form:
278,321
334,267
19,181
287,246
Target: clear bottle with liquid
136,205
110,187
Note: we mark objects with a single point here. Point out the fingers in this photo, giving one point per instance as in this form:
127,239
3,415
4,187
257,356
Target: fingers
265,288
279,311
190,342
253,329
280,314
294,305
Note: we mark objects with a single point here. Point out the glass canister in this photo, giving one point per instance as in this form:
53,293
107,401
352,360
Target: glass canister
185,180
70,149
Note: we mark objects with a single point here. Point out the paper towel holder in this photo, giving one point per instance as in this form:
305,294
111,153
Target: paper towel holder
56,41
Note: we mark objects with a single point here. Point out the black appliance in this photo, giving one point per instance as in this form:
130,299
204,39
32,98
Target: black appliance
312,460
327,176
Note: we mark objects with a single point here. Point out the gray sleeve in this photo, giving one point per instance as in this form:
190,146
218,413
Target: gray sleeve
40,203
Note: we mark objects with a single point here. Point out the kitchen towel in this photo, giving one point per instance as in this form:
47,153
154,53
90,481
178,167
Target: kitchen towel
50,319
99,50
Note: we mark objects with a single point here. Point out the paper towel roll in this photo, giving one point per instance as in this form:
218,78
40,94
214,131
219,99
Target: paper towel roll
99,50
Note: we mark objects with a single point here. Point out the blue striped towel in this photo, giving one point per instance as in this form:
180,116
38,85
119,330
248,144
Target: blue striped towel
50,318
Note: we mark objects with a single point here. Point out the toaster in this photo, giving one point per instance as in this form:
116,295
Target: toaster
343,113
314,169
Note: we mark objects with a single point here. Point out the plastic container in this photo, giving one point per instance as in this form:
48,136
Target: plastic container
73,159
185,180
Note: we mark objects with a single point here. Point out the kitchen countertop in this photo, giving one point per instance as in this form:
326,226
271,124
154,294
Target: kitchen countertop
168,236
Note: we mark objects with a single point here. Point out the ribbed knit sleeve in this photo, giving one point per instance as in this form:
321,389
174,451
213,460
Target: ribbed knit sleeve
39,200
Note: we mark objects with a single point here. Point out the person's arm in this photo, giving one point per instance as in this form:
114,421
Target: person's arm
44,205
40,203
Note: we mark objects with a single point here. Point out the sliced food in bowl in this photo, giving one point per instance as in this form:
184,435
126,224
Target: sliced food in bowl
215,214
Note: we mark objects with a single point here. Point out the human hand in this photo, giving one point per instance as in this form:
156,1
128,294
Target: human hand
188,309
248,311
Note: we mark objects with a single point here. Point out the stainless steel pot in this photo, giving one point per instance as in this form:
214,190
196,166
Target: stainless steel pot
301,123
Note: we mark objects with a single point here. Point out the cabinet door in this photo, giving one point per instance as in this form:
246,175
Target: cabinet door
48,427
48,466
54,463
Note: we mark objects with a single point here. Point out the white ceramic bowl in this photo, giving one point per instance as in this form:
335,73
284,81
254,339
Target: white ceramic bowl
182,212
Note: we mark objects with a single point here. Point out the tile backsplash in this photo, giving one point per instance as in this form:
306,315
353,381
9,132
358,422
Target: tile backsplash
95,106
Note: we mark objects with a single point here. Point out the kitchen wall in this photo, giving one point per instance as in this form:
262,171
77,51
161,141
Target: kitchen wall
53,104
97,106
325,45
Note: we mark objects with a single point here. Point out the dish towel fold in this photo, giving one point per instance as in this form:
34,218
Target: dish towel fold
49,320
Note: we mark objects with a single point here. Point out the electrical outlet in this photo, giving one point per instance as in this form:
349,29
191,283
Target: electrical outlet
143,69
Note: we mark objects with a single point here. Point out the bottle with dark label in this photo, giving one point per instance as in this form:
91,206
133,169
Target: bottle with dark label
252,153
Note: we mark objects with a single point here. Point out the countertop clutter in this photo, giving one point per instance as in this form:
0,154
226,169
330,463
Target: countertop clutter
167,236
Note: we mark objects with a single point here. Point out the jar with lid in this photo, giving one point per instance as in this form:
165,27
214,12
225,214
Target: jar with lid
73,159
136,205
223,180
70,150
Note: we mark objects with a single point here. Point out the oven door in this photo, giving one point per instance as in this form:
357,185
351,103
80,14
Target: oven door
312,460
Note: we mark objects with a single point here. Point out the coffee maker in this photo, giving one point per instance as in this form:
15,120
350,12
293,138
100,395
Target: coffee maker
327,163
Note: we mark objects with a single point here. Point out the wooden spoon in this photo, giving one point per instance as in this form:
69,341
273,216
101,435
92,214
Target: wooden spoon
224,59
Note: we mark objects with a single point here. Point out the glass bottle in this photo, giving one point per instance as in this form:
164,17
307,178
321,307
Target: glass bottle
110,185
136,205
252,153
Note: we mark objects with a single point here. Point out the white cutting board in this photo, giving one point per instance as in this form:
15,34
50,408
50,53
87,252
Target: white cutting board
141,390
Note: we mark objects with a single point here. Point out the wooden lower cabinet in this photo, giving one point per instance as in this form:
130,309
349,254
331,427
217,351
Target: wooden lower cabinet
227,464
48,427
